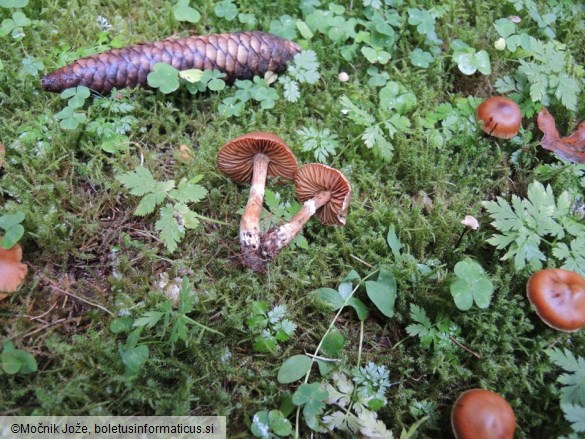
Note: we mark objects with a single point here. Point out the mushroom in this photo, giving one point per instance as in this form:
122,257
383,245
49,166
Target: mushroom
482,414
559,298
12,271
500,117
324,192
250,158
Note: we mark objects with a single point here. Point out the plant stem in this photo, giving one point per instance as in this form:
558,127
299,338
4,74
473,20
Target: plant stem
331,325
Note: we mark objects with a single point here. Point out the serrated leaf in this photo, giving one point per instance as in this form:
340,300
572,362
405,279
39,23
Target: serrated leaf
148,203
170,231
575,414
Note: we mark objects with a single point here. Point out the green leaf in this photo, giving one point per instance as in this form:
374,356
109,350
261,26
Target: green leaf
311,396
285,27
183,12
13,3
359,307
17,360
170,230
393,242
376,55
382,292
265,423
121,324
333,344
471,286
394,96
164,77
226,9
133,358
423,20
293,369
505,27
331,297
421,58
148,319
191,75
188,192
575,414
141,182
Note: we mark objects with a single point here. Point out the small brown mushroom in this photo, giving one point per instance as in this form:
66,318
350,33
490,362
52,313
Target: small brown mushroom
500,117
2,152
12,271
250,158
559,298
324,192
482,414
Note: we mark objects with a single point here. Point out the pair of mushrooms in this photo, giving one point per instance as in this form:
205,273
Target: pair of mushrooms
324,192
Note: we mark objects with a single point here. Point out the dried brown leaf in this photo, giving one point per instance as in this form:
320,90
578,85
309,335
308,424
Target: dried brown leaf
571,148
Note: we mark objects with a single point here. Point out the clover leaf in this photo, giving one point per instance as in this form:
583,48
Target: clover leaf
421,58
471,285
164,77
226,9
183,12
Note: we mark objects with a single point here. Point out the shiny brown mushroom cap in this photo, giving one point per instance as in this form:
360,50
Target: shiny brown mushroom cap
482,414
314,178
12,271
500,117
236,157
559,298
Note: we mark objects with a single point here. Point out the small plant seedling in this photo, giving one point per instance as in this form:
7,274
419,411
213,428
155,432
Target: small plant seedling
271,326
471,285
526,223
69,118
272,424
322,143
175,216
13,229
469,60
431,334
226,9
17,360
168,79
183,12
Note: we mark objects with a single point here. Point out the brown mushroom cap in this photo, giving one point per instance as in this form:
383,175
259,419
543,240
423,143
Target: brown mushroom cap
12,271
236,158
482,414
500,116
314,178
559,298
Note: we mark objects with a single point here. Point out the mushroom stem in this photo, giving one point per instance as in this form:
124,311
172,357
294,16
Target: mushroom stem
250,222
280,237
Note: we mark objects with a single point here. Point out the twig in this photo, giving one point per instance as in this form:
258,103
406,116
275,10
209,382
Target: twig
317,357
61,290
43,314
361,260
42,328
465,348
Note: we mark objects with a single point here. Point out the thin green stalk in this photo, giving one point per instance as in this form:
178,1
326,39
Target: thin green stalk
331,326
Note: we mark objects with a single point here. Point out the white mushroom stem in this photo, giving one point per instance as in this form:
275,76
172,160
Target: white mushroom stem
279,238
250,222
